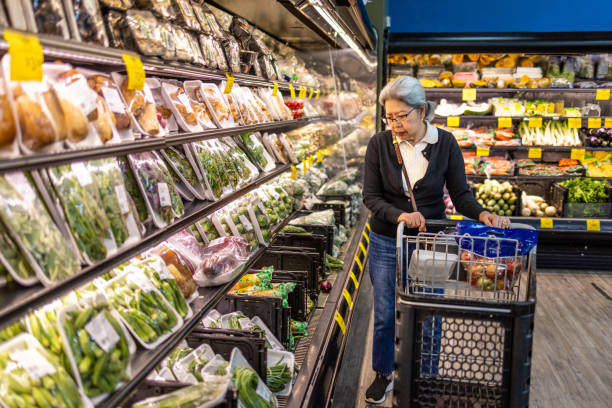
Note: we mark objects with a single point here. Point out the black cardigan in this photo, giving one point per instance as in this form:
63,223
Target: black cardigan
383,193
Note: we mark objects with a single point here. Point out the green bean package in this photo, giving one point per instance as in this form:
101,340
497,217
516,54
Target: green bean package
157,186
281,367
252,390
143,309
34,233
98,346
33,377
83,211
133,190
119,209
159,275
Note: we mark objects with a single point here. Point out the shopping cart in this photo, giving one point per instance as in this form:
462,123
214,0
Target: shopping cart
464,322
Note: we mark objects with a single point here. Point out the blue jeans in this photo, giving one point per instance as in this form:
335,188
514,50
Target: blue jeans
382,267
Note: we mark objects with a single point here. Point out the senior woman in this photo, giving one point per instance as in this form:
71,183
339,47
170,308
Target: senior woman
432,158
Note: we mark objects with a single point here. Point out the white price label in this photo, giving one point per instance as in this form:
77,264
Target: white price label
81,173
164,273
139,279
103,333
164,195
33,362
274,194
245,222
185,101
262,208
124,205
20,183
245,323
113,100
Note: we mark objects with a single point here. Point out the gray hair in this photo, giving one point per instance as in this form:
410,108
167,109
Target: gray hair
408,90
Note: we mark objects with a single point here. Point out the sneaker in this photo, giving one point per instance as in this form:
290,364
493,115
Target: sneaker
377,392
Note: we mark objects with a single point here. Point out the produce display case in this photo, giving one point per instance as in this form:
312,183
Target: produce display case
532,110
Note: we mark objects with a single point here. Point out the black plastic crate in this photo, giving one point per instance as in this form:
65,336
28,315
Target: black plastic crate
222,341
149,389
580,210
317,242
457,352
269,309
297,298
290,261
338,209
353,199
318,258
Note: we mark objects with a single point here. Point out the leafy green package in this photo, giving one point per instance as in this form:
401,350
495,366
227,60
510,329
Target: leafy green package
98,346
83,211
120,210
33,230
157,186
258,151
212,168
13,264
178,161
247,171
133,190
226,162
32,377
143,309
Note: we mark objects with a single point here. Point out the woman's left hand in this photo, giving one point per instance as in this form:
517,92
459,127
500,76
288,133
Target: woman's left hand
493,220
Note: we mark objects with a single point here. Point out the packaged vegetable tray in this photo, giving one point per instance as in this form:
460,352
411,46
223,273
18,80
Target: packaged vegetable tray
281,369
13,264
252,390
202,395
33,377
98,346
188,369
143,309
33,231
247,171
177,159
259,153
209,165
156,185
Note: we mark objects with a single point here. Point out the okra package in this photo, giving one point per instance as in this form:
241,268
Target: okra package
13,264
217,105
258,151
198,103
33,377
83,211
143,309
252,390
208,394
32,229
133,190
98,346
156,185
178,161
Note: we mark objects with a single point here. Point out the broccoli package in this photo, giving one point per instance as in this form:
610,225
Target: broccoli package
35,235
157,186
33,377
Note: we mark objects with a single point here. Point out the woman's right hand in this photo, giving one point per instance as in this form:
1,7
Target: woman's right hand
413,220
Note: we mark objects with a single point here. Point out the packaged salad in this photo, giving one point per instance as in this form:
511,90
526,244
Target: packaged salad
257,150
98,346
157,187
143,309
247,171
227,163
83,210
120,210
177,160
33,377
133,190
210,167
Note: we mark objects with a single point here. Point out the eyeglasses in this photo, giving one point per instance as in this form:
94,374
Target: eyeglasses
398,118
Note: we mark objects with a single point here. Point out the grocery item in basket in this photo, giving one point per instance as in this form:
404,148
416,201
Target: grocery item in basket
527,239
88,21
32,377
189,369
252,390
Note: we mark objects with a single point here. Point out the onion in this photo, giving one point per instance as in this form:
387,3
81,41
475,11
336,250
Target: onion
325,286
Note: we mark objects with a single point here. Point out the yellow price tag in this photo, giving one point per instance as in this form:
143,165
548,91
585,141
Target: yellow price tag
26,56
135,72
535,153
366,237
578,154
311,93
608,123
546,223
293,172
452,121
482,151
469,94
317,94
302,93
319,157
310,161
292,91
593,225
340,322
368,226
359,263
362,247
354,279
305,166
275,89
456,217
504,122
347,296
594,123
602,95
229,84
535,122
574,123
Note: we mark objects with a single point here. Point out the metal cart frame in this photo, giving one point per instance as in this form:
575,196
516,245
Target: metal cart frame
457,345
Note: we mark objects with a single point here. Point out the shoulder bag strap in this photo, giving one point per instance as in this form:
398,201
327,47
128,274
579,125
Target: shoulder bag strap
405,172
